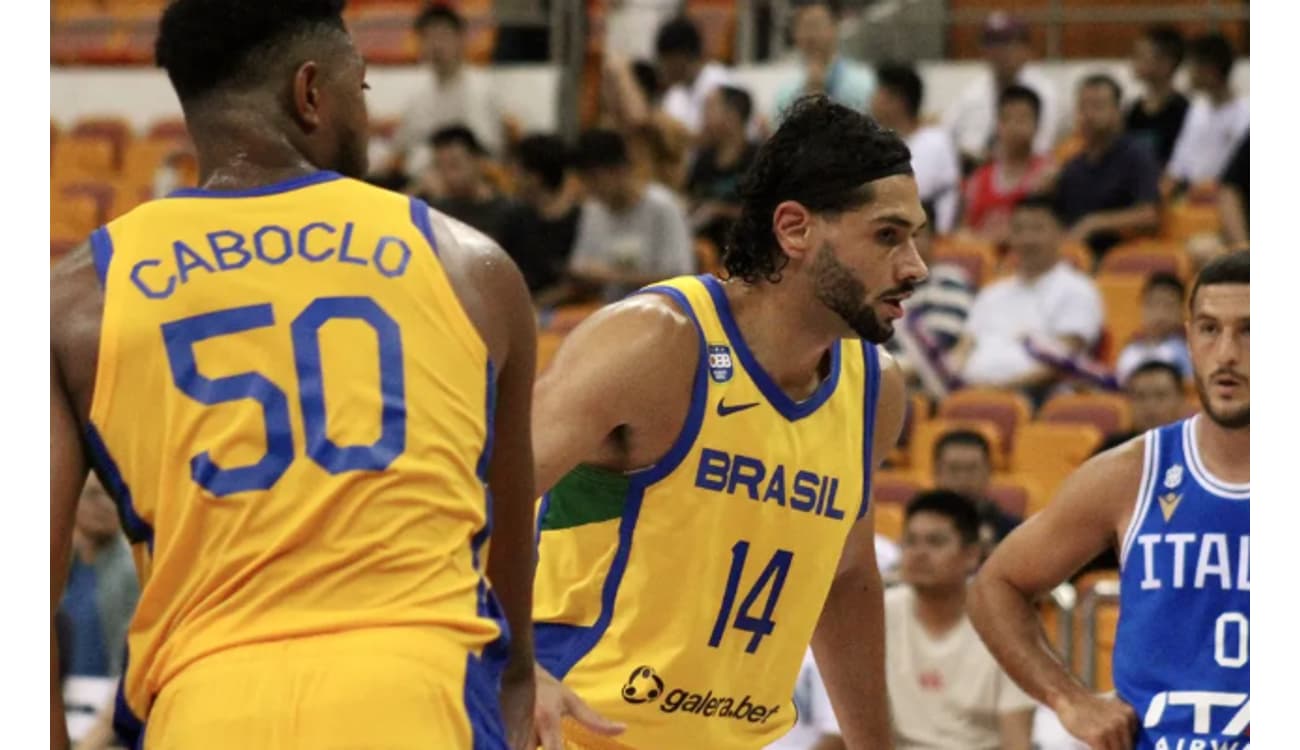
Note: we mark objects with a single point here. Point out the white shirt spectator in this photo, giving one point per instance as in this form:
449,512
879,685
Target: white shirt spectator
945,692
467,99
651,237
1209,138
685,104
972,119
938,174
1062,302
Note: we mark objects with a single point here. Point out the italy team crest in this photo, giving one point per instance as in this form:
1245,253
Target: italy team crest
720,367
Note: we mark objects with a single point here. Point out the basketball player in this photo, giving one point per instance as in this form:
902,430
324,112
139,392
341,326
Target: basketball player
1175,502
708,446
310,398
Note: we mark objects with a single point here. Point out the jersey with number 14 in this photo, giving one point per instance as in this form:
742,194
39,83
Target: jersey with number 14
680,599
1182,650
292,410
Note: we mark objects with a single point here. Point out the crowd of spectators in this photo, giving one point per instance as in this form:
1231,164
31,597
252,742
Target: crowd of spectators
651,190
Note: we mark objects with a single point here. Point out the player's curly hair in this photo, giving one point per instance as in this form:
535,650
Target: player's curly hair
822,156
205,44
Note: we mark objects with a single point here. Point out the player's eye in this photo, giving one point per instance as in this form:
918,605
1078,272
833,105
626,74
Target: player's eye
887,237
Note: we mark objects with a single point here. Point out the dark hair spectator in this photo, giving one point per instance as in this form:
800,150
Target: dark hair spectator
955,507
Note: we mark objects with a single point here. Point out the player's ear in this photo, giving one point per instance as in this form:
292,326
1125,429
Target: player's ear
794,226
307,95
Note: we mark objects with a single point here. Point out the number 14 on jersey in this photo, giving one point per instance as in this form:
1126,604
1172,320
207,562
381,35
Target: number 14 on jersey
771,581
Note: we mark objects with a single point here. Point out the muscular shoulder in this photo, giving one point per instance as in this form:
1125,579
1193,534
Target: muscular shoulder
487,282
1110,479
648,339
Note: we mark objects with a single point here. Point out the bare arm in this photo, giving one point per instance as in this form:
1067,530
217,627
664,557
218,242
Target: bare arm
1015,729
849,642
1136,220
67,475
629,366
1084,518
494,296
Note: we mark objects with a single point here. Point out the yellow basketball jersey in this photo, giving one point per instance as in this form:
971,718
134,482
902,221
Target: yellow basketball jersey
293,411
681,598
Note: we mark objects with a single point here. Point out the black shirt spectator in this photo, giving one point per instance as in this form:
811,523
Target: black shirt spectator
540,232
1156,119
714,182
458,187
1111,189
1237,174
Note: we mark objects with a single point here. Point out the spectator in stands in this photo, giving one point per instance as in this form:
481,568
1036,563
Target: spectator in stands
1157,117
725,156
963,463
1218,118
945,688
1045,311
630,234
541,230
683,71
822,69
933,320
1156,396
1112,189
1161,336
1234,197
458,187
457,93
632,104
98,602
1013,171
896,104
972,118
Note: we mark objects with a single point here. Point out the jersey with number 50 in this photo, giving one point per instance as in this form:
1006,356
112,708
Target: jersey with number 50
293,411
680,599
1182,651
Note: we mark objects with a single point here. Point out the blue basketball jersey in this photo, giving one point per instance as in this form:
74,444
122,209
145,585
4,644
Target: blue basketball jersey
1182,652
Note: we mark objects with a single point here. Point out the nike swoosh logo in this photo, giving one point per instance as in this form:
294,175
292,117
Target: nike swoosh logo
724,410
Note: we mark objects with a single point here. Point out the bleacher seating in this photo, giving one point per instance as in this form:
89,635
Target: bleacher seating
1046,453
1008,410
927,434
1108,412
894,487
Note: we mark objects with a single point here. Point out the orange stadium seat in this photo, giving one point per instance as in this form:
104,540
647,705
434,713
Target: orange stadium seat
889,521
1014,494
929,432
128,195
1008,410
480,30
1046,452
82,158
1121,298
1186,218
169,128
547,344
73,218
1145,261
893,487
717,24
115,129
1108,412
102,193
977,257
384,35
60,248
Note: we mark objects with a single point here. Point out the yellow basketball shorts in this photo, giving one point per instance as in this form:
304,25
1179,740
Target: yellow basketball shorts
374,689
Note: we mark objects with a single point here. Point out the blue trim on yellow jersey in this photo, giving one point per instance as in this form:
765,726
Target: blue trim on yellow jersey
128,727
787,407
110,476
871,358
420,218
284,186
482,705
101,251
560,646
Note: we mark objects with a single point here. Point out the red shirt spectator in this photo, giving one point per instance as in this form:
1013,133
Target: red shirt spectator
994,189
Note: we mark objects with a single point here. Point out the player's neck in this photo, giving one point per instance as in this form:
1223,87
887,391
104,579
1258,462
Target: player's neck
939,610
1225,452
237,153
792,355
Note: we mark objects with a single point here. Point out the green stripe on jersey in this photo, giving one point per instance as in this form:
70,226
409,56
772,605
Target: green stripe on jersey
585,495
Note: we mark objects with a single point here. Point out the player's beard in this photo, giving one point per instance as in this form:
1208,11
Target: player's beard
1233,420
837,289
